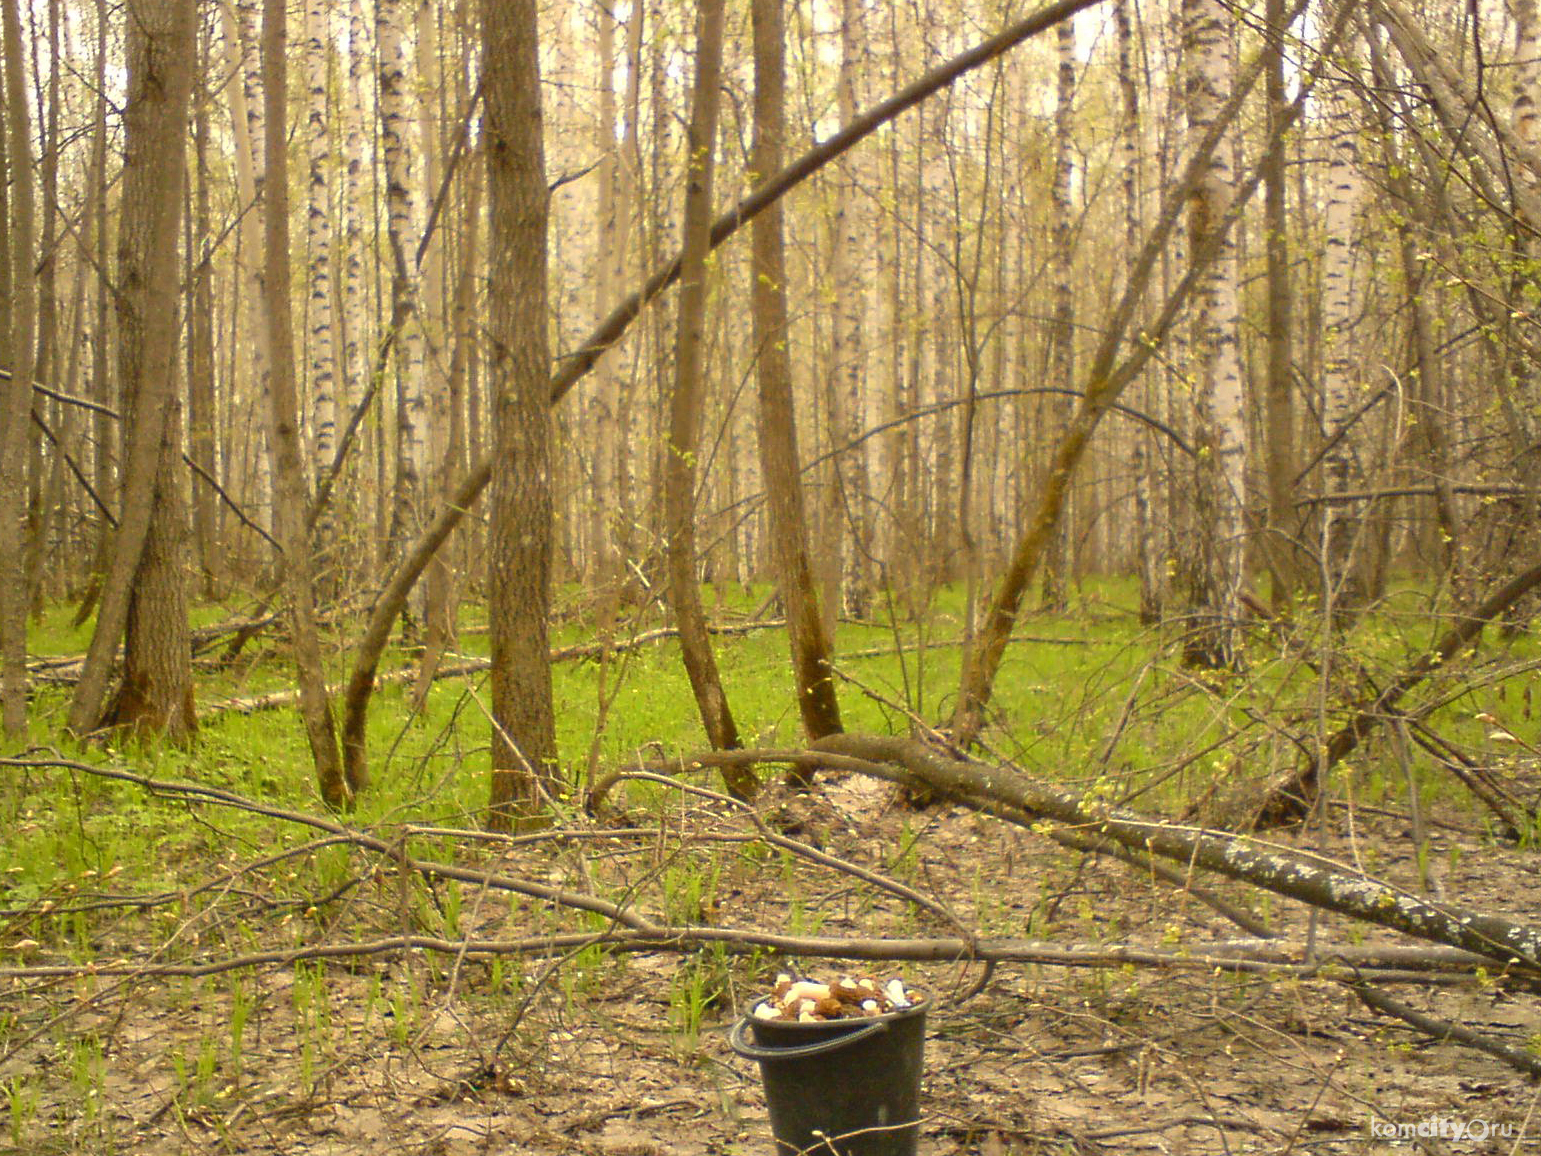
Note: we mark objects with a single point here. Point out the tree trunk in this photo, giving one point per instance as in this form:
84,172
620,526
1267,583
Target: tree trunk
200,363
1140,459
1215,569
143,601
1278,400
1342,590
1061,359
687,401
289,488
14,427
524,771
773,370
318,219
401,215
847,585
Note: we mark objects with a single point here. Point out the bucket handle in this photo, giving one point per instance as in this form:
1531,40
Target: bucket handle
739,1042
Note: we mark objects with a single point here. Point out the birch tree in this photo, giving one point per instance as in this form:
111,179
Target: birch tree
1341,389
315,53
406,320
1214,573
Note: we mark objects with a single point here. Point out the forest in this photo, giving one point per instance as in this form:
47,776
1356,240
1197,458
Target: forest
526,528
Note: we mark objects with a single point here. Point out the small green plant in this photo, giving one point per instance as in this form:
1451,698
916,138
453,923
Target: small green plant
698,985
689,889
21,1101
405,1004
86,1074
240,1012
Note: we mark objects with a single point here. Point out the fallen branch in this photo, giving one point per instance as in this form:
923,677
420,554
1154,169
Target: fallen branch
282,698
1442,1030
1356,964
1312,879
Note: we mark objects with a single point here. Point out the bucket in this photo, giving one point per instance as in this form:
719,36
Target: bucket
845,1087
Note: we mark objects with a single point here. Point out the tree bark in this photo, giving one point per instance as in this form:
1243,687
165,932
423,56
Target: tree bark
200,363
1343,591
524,749
289,488
14,427
143,601
406,308
686,401
1279,392
1214,567
815,685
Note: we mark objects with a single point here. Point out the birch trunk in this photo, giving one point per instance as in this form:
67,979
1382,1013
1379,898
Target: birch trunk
1141,466
1215,574
1061,359
318,220
1279,543
849,545
1342,590
406,320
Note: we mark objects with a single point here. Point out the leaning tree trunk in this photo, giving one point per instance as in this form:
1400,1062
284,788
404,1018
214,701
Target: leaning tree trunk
686,403
1106,380
399,585
524,729
773,370
143,602
284,425
1021,799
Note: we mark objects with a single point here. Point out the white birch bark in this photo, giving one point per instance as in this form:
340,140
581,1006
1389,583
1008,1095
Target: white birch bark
850,539
1140,466
355,346
1219,427
318,225
1340,386
401,217
1527,71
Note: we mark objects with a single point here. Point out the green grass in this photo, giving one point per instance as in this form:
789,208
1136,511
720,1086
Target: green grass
1088,697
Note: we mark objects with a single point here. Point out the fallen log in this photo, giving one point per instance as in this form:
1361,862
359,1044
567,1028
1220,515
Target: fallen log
1019,798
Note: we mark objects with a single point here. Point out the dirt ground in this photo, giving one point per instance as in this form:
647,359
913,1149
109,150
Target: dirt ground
626,1055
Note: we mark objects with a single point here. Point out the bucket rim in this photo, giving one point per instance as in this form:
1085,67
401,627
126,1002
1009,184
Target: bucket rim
923,1003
